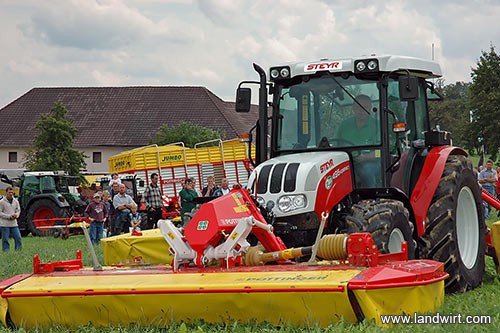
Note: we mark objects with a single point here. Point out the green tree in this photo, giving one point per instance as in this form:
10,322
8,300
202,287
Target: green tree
452,114
485,101
53,146
185,132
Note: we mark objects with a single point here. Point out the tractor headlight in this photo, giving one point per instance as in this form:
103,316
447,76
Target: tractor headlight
279,73
366,66
289,203
360,66
285,72
275,73
372,65
261,201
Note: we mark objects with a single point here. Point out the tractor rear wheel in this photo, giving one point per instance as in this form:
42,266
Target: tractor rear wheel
455,230
41,210
386,220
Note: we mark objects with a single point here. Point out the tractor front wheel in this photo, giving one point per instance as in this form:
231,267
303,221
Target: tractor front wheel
455,230
386,220
41,214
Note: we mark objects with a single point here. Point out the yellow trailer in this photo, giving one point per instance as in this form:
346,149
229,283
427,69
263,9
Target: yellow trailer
175,162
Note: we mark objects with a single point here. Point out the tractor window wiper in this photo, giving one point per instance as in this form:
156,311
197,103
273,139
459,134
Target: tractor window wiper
348,93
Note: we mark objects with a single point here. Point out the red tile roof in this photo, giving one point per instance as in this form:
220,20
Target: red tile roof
121,116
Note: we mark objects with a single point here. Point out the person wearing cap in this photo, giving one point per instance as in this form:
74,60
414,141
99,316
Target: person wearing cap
187,195
97,213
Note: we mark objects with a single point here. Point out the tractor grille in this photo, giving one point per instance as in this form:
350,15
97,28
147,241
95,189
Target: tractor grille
278,177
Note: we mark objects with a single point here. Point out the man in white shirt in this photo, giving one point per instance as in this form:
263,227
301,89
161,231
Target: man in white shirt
9,212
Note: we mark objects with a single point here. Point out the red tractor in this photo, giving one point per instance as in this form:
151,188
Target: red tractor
351,137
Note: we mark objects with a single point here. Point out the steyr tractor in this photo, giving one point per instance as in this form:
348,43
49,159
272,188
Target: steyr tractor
45,196
350,139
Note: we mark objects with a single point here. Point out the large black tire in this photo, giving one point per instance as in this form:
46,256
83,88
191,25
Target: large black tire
387,221
45,208
455,230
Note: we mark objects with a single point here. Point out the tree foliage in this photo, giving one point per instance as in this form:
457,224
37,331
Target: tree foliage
53,146
485,101
452,114
185,132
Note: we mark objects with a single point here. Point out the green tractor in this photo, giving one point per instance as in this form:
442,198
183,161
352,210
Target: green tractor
45,196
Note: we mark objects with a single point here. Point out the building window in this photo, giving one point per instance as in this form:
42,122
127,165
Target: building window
97,157
12,156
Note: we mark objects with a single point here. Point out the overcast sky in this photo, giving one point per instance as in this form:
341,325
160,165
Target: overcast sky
213,43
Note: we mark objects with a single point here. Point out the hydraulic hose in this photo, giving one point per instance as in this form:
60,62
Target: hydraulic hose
331,247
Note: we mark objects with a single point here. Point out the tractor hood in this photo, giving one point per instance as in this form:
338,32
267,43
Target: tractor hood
295,183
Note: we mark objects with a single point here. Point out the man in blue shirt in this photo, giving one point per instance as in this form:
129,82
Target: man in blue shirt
122,203
487,178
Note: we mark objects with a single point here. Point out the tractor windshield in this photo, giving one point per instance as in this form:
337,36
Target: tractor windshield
328,112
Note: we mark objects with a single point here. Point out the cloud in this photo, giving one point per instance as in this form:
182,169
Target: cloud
213,43
86,24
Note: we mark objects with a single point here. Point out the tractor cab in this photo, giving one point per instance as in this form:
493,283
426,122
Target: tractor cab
374,109
56,184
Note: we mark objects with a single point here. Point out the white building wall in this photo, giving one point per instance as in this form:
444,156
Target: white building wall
102,167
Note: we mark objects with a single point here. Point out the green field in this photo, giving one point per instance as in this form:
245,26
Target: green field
482,301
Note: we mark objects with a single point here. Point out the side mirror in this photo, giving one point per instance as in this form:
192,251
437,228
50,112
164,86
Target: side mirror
243,98
408,88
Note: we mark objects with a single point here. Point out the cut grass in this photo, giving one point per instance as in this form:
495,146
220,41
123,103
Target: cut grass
481,301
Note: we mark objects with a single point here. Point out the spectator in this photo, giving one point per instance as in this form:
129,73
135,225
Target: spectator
106,198
122,203
153,201
115,189
224,188
135,220
9,212
209,190
194,186
115,179
487,178
97,213
187,195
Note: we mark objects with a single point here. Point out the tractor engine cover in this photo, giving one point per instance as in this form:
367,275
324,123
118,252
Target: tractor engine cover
303,183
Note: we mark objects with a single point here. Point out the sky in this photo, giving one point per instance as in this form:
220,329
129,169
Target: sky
213,43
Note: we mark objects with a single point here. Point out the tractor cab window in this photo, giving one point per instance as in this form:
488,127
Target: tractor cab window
31,185
323,112
413,114
335,113
47,184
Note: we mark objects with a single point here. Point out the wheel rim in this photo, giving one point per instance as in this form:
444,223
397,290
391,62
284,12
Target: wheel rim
396,238
41,215
467,227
